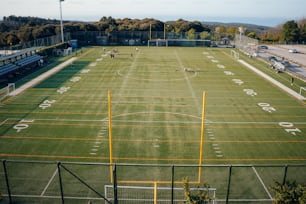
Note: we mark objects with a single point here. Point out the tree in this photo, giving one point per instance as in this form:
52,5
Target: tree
205,35
302,26
191,34
231,31
219,32
201,197
252,35
12,39
289,193
290,32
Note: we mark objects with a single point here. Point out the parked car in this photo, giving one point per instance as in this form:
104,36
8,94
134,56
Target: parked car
262,47
272,58
293,51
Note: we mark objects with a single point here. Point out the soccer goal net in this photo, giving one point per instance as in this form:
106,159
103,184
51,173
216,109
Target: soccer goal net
4,92
158,43
235,54
303,91
147,194
189,42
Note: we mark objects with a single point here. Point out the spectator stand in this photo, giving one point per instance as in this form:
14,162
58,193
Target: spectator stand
19,60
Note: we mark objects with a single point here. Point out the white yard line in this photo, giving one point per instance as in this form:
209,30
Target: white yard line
42,77
156,121
48,184
273,81
262,183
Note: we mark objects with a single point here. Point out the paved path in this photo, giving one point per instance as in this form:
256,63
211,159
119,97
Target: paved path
42,77
277,83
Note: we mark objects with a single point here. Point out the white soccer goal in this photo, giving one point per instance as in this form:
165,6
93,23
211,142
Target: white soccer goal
4,92
303,91
158,43
144,194
235,54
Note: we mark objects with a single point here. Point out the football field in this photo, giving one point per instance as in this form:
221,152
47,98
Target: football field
161,106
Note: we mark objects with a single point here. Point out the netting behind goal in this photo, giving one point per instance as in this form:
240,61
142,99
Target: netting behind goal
188,43
158,43
146,194
179,43
4,92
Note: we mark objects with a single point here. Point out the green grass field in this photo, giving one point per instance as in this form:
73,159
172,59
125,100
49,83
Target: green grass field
157,101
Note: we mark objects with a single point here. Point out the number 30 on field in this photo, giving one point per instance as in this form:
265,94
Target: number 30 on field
266,107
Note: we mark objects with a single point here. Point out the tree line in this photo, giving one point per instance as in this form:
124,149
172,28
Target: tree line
17,30
290,32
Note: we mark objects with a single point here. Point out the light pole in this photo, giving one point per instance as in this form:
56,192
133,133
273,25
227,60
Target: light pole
164,31
62,29
150,32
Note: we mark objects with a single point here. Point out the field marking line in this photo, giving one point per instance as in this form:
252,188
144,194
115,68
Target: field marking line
189,84
262,183
52,156
151,140
148,159
4,121
48,184
126,78
42,77
207,122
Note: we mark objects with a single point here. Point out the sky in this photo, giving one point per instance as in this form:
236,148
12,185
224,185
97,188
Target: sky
260,12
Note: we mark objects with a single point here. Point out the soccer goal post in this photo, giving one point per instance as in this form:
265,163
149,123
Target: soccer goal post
235,54
4,92
302,91
153,194
158,43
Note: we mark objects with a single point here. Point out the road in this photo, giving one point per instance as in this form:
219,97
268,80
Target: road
298,60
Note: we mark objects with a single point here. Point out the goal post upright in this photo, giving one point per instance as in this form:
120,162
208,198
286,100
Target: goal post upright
202,136
155,192
110,136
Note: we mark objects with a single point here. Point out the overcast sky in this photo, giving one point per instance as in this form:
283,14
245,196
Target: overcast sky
263,12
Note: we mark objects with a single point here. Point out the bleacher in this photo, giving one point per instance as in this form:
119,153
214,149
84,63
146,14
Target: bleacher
28,60
17,61
7,68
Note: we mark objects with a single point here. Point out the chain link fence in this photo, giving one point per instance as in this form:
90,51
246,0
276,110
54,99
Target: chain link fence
74,182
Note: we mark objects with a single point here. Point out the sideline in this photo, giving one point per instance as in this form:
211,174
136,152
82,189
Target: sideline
42,77
273,81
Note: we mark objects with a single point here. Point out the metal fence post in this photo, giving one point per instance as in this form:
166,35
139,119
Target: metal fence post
285,174
7,182
115,184
229,184
172,184
60,181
